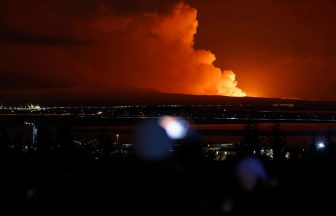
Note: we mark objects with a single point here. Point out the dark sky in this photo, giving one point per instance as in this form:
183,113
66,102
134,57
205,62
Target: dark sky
276,48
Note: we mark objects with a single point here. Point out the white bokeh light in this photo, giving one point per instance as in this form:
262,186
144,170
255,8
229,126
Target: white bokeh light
176,128
320,145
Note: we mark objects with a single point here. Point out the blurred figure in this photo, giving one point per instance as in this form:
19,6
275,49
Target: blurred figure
251,173
150,188
167,181
192,175
152,142
250,196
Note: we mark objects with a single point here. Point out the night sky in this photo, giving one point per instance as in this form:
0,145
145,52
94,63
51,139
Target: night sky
268,48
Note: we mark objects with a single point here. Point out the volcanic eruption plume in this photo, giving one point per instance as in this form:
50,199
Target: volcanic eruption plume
109,49
163,55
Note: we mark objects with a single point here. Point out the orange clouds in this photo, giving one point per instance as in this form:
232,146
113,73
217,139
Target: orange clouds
156,51
104,51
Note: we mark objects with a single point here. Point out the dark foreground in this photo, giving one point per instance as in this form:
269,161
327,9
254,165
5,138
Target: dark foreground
131,187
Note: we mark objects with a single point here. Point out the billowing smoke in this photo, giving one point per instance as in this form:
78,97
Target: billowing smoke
157,51
107,50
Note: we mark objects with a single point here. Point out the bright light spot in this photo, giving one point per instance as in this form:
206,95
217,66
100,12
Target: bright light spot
176,128
321,145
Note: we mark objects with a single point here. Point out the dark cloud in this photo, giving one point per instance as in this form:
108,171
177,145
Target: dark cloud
121,7
89,8
49,22
13,80
142,6
12,36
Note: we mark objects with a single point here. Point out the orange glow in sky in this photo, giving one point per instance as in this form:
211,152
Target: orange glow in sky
283,49
141,50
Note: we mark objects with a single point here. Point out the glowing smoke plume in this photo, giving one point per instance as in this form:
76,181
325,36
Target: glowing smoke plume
167,41
178,30
155,51
144,50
